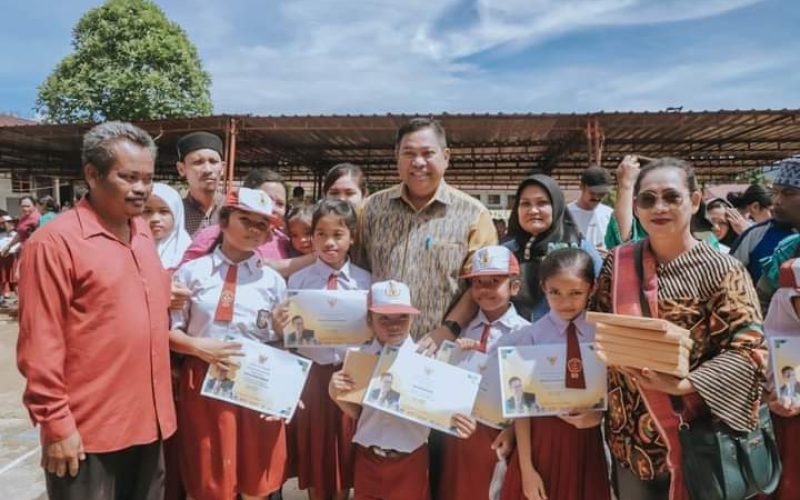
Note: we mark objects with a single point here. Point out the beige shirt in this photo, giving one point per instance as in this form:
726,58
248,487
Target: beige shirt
426,249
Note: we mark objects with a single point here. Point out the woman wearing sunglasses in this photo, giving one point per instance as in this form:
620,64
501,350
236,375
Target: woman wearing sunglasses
672,275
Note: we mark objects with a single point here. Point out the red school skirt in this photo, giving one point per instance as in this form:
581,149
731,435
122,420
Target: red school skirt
324,435
571,461
391,478
787,433
226,449
468,465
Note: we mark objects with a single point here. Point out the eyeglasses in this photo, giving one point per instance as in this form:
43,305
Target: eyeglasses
648,200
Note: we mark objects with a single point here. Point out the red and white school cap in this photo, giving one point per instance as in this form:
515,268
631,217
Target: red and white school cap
493,261
252,200
391,297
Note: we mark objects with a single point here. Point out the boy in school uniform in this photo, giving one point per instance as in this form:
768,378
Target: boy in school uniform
468,464
391,458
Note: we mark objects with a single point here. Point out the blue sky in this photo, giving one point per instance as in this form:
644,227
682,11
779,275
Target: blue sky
378,56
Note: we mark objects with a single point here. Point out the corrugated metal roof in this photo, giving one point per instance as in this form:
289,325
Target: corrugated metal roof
487,149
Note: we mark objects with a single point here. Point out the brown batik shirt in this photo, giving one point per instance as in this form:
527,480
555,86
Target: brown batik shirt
712,296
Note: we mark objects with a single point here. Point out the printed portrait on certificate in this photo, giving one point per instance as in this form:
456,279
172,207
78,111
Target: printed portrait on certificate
533,381
327,318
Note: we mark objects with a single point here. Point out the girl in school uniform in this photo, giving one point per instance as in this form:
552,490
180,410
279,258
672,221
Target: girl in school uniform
323,432
164,213
226,449
560,458
391,456
468,464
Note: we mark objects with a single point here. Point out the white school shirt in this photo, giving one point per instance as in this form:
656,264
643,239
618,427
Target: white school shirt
550,329
315,277
504,325
378,428
592,223
258,290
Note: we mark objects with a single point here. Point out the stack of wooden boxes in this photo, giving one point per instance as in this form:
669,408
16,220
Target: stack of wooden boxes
637,342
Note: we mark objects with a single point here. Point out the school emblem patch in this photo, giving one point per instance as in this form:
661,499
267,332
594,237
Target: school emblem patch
392,291
574,367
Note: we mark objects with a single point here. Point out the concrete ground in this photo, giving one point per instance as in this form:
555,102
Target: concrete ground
20,474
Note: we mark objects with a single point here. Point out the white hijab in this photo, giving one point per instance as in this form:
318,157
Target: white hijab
172,246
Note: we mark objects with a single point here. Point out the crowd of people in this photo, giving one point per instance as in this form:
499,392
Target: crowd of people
129,297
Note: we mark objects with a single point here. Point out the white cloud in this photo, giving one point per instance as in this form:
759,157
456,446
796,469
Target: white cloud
388,56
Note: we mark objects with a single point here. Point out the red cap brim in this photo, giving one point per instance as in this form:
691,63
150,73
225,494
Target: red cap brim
394,309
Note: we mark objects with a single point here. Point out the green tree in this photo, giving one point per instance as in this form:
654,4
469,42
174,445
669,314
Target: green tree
130,63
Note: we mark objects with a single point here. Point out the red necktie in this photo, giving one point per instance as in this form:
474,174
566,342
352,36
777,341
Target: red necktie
227,297
484,337
333,282
574,376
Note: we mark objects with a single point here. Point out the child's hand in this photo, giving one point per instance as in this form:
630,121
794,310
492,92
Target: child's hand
504,443
532,484
584,420
465,425
341,382
280,318
468,344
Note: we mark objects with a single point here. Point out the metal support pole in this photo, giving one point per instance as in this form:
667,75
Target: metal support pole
230,153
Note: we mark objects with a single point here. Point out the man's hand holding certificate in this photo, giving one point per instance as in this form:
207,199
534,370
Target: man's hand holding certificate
327,318
534,381
265,379
421,389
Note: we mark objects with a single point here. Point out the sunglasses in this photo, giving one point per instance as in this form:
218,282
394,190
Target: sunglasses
648,200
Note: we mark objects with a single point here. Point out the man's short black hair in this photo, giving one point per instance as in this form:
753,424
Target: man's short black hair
416,124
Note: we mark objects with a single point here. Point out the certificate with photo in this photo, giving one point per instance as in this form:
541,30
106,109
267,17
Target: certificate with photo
785,367
359,366
533,381
488,403
327,318
421,389
265,379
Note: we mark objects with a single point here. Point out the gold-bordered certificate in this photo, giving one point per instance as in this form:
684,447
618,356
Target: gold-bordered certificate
265,379
421,389
785,367
327,318
488,403
533,381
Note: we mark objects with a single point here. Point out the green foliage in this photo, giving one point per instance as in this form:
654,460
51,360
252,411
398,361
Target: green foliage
130,63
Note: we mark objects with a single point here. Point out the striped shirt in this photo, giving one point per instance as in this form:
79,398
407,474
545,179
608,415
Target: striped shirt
426,249
196,217
710,294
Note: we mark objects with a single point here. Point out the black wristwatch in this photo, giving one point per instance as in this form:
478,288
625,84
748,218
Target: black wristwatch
453,326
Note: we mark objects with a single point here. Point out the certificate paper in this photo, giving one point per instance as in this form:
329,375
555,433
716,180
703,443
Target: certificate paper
533,381
488,403
266,379
421,389
360,366
785,366
327,318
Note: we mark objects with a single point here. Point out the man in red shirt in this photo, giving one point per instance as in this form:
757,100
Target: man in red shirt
93,342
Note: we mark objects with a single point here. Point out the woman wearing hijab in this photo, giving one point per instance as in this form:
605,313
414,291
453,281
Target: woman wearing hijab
164,212
538,224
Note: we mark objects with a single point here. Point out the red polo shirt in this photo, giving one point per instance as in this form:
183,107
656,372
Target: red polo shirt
94,333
